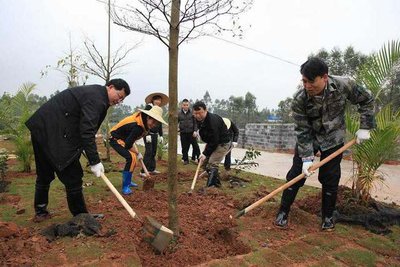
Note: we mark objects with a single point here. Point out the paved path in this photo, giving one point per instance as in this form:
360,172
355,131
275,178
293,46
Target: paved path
277,165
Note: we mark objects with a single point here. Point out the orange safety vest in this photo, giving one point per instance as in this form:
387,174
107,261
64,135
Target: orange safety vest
134,118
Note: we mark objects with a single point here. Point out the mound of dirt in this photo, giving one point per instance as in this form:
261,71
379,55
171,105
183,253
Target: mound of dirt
206,230
18,246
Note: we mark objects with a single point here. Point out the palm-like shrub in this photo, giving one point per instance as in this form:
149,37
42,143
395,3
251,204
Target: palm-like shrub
13,115
382,146
371,154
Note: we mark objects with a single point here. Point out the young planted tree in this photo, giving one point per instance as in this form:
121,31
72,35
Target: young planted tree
370,155
173,22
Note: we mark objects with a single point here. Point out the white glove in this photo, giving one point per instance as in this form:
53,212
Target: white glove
148,138
161,139
306,165
362,135
234,144
202,157
97,169
195,134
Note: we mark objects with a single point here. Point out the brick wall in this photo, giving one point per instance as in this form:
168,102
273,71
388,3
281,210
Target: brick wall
268,136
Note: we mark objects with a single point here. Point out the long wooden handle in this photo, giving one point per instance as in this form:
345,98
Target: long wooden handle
120,198
195,175
296,179
142,163
144,168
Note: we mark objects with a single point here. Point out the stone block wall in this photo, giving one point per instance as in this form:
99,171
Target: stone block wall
268,136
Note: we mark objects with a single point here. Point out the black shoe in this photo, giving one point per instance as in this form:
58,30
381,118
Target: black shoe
281,219
185,162
328,224
41,217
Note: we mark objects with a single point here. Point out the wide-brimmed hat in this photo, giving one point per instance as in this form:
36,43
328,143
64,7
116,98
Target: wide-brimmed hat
164,98
156,113
227,122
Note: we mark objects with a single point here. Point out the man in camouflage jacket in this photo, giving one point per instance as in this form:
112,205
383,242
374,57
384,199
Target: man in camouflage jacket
319,114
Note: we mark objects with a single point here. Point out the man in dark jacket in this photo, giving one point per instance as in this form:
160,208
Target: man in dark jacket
61,129
234,136
188,132
319,114
214,133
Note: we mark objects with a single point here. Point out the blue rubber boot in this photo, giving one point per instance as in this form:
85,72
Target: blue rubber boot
126,182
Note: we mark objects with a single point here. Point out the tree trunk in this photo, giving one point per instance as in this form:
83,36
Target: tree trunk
173,118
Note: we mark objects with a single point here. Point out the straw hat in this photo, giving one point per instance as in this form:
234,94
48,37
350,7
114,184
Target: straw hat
227,122
164,98
156,113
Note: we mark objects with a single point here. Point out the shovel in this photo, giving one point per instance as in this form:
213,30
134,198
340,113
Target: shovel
148,183
195,176
156,234
295,180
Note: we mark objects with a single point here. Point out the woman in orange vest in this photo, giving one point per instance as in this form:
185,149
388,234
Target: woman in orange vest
126,132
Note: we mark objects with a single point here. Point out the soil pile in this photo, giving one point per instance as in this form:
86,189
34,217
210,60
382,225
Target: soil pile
206,231
18,246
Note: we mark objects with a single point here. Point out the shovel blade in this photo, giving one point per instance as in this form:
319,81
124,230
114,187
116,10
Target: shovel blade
157,234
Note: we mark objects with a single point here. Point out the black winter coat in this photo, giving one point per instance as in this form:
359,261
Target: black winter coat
67,124
213,131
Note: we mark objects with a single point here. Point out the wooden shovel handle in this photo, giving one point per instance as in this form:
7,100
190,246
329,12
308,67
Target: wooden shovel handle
196,175
296,179
142,163
120,198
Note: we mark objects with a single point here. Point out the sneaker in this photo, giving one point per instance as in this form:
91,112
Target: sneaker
281,220
142,174
328,224
155,172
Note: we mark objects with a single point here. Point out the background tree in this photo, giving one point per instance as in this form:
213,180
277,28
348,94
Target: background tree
70,67
284,111
208,101
14,112
342,63
250,106
173,23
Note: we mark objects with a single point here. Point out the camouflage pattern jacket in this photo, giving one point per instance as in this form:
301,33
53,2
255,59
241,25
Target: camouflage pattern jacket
321,121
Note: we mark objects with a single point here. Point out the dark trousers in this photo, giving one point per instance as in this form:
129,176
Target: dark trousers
150,152
329,176
71,177
187,139
124,153
227,162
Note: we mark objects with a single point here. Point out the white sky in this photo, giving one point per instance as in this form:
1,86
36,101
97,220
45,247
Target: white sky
35,34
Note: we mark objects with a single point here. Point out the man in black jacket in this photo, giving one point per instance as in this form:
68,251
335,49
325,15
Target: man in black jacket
214,133
188,132
61,129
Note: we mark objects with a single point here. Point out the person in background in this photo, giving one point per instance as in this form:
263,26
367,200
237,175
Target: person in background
319,114
234,136
126,132
214,133
61,130
155,135
188,132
